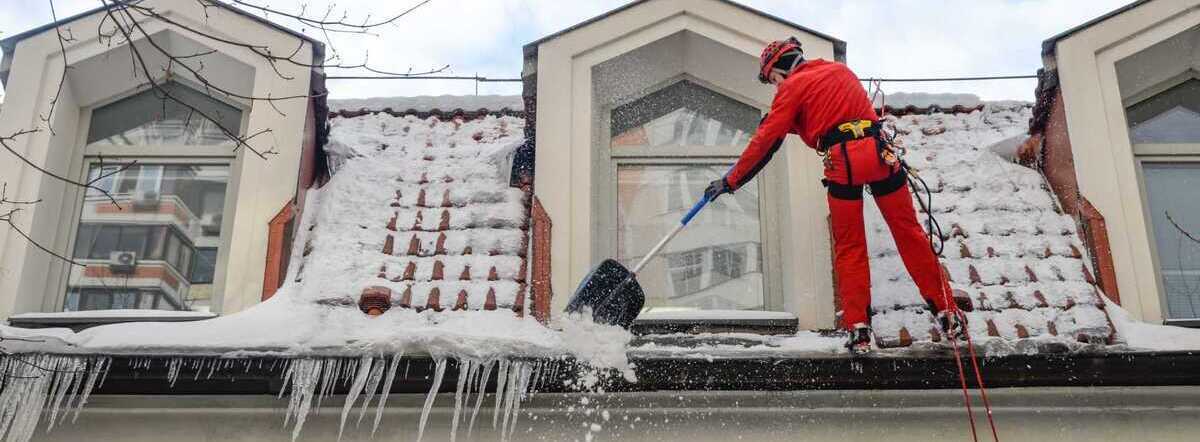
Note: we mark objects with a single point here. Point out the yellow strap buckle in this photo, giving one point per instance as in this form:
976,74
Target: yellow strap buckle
857,127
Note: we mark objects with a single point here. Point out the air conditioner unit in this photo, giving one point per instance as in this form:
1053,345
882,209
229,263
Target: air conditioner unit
145,198
210,224
122,262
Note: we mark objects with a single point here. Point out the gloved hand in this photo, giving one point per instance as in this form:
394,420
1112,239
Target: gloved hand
717,188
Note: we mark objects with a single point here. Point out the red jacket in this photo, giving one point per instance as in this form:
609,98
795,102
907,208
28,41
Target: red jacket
816,97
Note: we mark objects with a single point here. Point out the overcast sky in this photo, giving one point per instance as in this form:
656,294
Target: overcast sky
898,38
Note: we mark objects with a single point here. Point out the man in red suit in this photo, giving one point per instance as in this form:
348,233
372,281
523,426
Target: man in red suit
825,104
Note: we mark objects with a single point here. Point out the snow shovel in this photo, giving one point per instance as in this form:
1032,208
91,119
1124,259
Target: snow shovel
612,292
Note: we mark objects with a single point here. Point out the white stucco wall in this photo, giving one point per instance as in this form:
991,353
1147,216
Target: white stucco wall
1089,414
1104,162
566,132
258,189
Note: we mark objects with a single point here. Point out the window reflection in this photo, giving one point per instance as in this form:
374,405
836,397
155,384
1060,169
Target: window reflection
150,118
716,263
157,247
1169,188
1172,116
683,114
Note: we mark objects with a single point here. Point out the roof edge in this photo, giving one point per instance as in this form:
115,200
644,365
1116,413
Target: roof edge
839,46
1050,44
8,44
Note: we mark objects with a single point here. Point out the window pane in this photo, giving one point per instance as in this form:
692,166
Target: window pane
1170,189
151,118
204,264
166,211
1172,116
683,114
706,265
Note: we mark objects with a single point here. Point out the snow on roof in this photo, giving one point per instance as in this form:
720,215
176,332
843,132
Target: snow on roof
1008,245
428,103
438,192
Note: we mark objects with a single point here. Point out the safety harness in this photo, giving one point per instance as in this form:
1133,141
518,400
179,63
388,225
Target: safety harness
840,136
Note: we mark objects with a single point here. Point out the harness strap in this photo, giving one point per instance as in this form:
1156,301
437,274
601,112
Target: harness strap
843,191
892,183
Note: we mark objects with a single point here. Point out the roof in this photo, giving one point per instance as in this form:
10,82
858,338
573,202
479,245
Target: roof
1049,45
456,233
10,43
1009,249
839,46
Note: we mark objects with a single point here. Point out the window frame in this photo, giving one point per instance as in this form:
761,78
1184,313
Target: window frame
83,157
1144,153
1152,239
604,196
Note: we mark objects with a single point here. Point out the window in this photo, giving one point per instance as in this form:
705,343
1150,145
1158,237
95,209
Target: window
665,148
1170,117
1169,191
1165,132
118,298
168,170
149,118
683,114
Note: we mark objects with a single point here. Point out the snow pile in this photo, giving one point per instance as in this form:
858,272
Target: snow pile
1008,247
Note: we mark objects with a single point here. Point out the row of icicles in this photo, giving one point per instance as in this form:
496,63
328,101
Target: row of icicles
33,386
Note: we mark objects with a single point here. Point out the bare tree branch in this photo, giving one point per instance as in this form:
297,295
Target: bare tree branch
1185,233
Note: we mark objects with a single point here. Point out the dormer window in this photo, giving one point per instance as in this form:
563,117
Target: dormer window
666,146
168,168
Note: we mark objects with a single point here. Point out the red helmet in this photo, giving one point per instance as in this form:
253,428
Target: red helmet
773,52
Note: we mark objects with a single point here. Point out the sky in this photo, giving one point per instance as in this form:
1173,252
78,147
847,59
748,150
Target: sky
894,38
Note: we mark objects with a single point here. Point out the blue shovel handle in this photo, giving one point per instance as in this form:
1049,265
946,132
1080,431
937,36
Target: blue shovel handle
695,209
700,204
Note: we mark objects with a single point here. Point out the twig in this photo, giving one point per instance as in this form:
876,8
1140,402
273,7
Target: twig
1180,228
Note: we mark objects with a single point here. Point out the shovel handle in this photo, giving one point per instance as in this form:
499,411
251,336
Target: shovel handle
695,209
666,239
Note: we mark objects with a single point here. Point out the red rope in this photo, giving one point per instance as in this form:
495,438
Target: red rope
987,405
962,379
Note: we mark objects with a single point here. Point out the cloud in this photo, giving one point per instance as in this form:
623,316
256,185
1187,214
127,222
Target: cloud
900,38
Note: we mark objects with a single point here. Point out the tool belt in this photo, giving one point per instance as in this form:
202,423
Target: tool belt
849,131
843,133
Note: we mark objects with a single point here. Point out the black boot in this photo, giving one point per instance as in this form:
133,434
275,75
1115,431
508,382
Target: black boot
952,322
859,341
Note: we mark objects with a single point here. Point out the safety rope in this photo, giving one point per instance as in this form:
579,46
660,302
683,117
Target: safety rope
937,243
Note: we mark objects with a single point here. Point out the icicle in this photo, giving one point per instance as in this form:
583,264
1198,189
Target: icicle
305,377
518,394
360,380
463,374
372,385
100,366
30,383
429,398
510,395
483,379
501,379
66,380
387,388
173,370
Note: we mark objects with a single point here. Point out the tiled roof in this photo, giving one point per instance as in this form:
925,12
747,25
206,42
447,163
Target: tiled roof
1008,246
456,233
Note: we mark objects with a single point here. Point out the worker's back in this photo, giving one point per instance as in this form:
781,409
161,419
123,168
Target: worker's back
828,94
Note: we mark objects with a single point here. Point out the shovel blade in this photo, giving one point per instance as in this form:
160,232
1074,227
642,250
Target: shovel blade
611,292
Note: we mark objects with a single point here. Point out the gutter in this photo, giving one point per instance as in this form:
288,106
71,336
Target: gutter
263,375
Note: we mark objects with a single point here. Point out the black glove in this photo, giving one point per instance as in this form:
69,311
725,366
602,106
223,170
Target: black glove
717,188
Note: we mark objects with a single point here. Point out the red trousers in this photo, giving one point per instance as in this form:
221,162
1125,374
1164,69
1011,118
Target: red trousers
863,167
